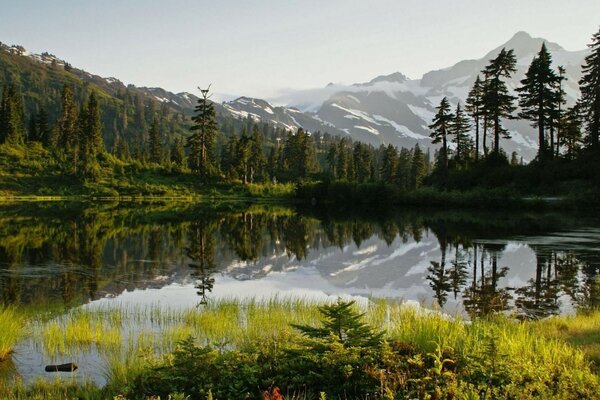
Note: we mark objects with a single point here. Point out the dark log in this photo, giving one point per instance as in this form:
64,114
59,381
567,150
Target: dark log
68,367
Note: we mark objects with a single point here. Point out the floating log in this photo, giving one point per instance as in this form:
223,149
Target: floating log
68,367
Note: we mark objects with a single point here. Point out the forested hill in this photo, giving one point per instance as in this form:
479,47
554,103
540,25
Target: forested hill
127,111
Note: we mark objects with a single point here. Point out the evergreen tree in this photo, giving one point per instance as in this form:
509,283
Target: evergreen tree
202,139
571,132
590,93
274,161
3,114
474,106
257,156
43,126
403,176
557,116
362,162
344,159
332,158
12,116
440,128
539,98
242,157
459,128
389,164
32,133
178,152
299,154
65,136
418,168
155,142
94,141
497,102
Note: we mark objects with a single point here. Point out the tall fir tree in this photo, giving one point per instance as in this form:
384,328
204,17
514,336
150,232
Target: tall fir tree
155,142
178,152
418,167
474,106
539,98
389,164
589,85
12,116
94,141
497,101
299,154
441,127
459,129
65,135
204,133
571,132
257,156
43,126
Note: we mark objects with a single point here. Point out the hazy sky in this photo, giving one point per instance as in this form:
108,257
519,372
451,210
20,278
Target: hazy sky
256,48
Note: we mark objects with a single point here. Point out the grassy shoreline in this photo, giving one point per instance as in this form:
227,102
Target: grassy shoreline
137,346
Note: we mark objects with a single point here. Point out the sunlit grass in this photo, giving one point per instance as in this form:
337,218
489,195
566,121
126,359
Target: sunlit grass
132,337
582,331
12,329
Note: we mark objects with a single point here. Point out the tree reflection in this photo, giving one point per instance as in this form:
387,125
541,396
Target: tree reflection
71,256
201,250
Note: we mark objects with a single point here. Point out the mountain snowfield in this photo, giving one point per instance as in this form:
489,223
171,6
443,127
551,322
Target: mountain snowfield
395,109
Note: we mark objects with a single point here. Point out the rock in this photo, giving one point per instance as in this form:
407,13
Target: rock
68,367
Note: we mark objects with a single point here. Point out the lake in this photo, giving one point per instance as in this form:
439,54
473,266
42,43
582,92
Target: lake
61,256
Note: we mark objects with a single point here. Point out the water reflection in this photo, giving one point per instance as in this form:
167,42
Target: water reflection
63,255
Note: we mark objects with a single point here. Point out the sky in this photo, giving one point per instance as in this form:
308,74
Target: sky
263,48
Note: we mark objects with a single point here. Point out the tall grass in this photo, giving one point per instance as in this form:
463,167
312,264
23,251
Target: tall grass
12,329
131,338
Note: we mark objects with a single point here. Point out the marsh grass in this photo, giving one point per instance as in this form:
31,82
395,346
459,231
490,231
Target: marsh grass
12,330
131,338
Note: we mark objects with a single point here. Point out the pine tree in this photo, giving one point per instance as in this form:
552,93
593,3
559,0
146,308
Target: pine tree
65,134
332,158
539,98
403,176
571,132
343,159
257,156
155,142
474,106
43,126
94,141
204,134
497,102
362,160
459,128
389,164
242,157
441,127
12,116
418,168
178,153
589,84
32,132
274,161
299,154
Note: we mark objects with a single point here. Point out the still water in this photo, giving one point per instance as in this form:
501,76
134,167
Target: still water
64,255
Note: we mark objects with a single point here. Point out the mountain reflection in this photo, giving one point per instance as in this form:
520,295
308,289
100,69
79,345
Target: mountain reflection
63,254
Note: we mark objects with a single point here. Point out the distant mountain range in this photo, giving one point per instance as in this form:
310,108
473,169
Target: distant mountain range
395,109
388,109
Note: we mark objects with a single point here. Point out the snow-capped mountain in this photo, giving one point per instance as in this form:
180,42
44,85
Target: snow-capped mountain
395,109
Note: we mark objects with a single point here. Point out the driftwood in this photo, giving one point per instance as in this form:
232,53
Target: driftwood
68,367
